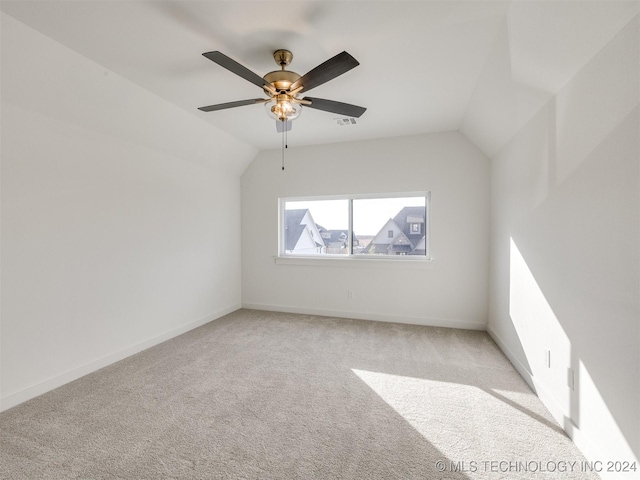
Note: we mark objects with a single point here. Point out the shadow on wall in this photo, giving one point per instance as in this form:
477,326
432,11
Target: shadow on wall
574,282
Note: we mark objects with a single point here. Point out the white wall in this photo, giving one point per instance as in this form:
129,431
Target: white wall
565,257
451,291
120,217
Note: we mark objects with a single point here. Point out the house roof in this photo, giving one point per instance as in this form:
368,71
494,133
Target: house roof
401,240
415,219
403,220
334,236
292,226
406,217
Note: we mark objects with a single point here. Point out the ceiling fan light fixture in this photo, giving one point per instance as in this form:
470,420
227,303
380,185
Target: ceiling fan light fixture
282,108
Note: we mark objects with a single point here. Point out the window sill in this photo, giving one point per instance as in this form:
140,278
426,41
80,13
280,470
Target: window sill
339,261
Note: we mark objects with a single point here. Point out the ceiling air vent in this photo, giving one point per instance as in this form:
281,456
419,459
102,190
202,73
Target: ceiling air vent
346,121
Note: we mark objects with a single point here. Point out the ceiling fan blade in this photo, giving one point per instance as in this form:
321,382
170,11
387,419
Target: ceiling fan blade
283,126
239,103
332,68
234,67
335,107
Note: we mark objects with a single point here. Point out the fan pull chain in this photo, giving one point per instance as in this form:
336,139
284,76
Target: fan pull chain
283,132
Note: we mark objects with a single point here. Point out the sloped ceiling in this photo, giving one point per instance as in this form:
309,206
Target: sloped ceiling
481,67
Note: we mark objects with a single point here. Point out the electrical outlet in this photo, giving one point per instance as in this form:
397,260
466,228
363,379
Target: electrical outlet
571,381
351,294
547,358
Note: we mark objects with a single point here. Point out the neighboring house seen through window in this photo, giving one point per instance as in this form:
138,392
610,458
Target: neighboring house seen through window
355,226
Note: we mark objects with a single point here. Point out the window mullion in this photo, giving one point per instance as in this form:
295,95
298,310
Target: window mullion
350,232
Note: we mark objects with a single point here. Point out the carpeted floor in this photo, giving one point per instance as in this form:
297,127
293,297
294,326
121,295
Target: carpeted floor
263,395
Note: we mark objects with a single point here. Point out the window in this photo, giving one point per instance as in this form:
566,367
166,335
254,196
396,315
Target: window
315,227
355,226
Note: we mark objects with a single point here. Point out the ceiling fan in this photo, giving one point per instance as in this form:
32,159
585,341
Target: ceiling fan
283,87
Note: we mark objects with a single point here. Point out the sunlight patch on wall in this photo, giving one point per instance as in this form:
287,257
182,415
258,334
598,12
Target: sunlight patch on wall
604,424
545,343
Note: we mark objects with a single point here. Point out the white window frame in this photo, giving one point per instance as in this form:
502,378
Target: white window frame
283,257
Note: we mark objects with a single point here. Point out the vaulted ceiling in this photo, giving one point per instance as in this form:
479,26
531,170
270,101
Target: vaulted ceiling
481,67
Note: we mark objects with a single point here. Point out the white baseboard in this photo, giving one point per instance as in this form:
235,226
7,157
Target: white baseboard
71,375
543,394
378,317
518,365
588,449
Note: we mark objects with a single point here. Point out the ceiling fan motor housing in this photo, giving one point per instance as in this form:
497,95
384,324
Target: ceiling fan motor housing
281,79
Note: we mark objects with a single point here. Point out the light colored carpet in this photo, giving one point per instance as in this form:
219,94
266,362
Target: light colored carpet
262,395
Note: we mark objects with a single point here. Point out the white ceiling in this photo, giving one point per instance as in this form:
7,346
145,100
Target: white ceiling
423,64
